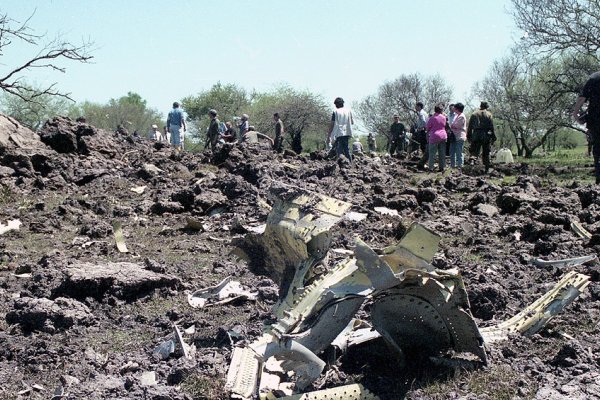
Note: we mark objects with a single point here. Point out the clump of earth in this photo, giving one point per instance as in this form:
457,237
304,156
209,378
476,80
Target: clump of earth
80,319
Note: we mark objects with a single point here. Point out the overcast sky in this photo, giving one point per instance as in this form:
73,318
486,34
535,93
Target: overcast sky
168,50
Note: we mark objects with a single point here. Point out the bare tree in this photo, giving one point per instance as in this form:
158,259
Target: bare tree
12,78
532,99
554,26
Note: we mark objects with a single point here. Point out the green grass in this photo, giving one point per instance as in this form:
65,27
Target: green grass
119,341
500,382
204,387
576,157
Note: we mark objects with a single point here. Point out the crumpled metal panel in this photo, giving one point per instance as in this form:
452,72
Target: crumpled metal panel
536,316
429,314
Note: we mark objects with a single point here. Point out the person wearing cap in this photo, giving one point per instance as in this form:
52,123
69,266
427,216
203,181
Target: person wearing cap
340,128
155,133
212,136
243,126
396,135
176,126
480,134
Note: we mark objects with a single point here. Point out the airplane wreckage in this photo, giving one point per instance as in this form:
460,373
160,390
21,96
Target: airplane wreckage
413,305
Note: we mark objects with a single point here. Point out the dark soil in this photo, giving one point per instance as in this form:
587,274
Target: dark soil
82,320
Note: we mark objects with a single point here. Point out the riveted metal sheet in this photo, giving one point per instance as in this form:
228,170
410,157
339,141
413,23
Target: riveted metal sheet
348,392
536,315
243,373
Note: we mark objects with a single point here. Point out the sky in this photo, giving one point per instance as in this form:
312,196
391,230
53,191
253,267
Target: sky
167,50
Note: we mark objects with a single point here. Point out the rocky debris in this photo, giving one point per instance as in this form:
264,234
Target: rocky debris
486,209
510,202
124,280
45,315
60,196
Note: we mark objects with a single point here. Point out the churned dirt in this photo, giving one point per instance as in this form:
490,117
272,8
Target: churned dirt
81,320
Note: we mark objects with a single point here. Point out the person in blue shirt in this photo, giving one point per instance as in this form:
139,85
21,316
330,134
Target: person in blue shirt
176,122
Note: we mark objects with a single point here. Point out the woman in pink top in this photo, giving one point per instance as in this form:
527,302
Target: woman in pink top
436,127
459,128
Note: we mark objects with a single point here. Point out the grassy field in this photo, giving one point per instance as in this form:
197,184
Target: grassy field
576,157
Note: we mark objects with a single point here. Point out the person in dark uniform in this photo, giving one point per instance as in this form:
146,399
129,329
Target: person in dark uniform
591,94
480,134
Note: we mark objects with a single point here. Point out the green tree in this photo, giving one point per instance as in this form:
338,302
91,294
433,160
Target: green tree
531,97
33,114
400,96
228,100
129,111
304,114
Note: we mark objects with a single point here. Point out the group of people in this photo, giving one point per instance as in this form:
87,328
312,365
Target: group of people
440,134
435,135
217,133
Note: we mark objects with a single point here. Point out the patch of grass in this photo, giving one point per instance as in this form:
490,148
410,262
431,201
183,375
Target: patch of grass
7,196
506,180
119,341
500,382
204,387
561,157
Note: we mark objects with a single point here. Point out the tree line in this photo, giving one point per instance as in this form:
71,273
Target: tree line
531,89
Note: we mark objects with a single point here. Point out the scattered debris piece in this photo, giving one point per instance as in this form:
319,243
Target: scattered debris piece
148,378
535,316
387,211
226,291
118,231
355,216
348,392
138,189
165,349
567,262
580,230
11,225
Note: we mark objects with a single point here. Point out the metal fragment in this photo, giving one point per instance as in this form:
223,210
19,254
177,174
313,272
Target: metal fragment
226,291
580,230
348,392
243,373
536,316
567,262
12,224
120,240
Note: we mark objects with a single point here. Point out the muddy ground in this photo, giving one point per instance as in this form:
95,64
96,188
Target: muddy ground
81,320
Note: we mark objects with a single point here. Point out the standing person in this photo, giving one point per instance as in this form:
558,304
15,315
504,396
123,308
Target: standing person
212,136
451,115
436,126
243,126
175,126
340,128
420,135
371,142
279,130
591,94
459,130
396,135
481,133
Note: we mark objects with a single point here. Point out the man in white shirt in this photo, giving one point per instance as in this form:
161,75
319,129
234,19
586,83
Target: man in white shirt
340,128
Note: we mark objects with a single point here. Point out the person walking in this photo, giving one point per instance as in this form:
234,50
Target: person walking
340,128
175,126
459,131
436,127
480,134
